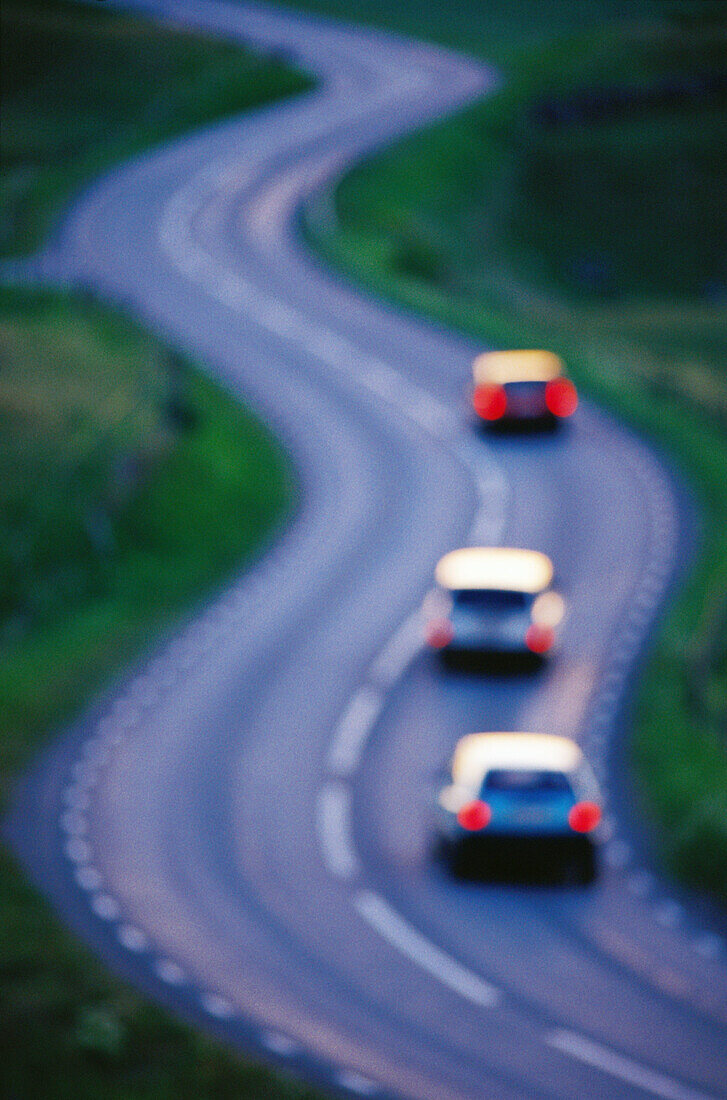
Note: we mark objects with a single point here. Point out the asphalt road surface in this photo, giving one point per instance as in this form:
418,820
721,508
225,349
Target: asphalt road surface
245,827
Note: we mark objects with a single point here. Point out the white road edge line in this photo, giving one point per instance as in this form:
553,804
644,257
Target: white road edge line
279,1043
356,1082
616,1065
335,831
218,1006
424,954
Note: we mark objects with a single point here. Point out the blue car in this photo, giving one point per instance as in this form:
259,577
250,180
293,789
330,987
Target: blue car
516,797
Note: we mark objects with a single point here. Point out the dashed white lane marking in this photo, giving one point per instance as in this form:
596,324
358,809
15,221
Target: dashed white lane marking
170,972
76,797
84,773
74,823
354,1082
424,954
492,492
105,907
492,489
335,830
88,878
132,938
280,1044
78,851
616,1065
353,729
217,1006
429,413
398,653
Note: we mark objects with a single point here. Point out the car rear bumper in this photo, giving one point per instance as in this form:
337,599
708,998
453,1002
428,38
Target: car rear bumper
514,422
515,854
491,658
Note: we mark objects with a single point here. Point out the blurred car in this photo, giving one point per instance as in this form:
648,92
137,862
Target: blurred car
525,387
517,796
493,600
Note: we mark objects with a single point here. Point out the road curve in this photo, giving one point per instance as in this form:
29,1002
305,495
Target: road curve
244,828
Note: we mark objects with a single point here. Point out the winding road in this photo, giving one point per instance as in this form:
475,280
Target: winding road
244,829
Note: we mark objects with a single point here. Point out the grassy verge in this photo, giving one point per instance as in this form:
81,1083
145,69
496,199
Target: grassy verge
580,209
106,436
141,85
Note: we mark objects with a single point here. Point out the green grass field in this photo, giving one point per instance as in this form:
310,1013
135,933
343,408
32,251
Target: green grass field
105,540
581,208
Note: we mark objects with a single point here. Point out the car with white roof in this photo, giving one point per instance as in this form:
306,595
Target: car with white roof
495,600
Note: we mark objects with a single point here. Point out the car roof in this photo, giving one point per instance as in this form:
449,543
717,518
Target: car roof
494,568
530,365
478,753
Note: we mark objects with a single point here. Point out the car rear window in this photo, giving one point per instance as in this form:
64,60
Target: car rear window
490,599
520,781
525,387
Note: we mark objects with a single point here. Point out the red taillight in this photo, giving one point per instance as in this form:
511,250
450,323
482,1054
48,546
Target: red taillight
474,816
439,633
489,401
539,638
584,816
561,397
